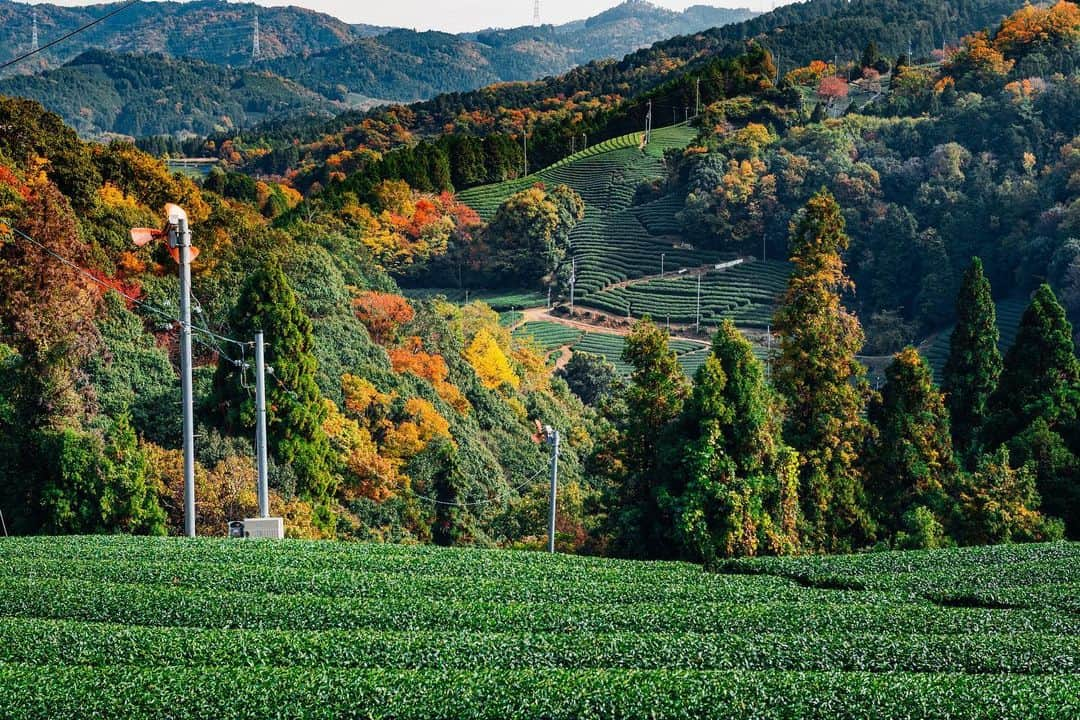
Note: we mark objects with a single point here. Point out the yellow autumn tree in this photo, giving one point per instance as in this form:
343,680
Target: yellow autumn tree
490,362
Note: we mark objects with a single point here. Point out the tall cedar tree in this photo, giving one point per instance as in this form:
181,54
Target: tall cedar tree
1037,402
911,459
295,407
974,363
1041,376
822,381
651,403
741,495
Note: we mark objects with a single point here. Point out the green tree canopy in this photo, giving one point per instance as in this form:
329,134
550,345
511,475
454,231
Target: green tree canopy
974,364
295,404
911,459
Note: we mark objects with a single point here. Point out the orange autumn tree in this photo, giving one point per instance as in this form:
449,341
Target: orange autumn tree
382,314
405,227
978,65
1033,27
411,358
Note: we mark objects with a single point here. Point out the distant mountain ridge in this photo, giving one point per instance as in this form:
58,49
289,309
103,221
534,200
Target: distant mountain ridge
101,93
345,62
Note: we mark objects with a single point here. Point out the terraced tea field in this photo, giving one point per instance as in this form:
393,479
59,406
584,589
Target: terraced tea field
499,300
151,628
550,335
746,294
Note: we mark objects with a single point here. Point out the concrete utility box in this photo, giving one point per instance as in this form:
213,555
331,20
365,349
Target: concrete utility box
273,528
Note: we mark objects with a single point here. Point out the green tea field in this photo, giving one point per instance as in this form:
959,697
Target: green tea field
170,628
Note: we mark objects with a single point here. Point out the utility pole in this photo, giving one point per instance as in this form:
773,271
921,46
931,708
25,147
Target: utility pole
674,116
763,236
178,235
697,97
686,113
180,238
525,145
648,123
573,279
553,440
34,33
697,323
573,144
662,265
255,38
260,424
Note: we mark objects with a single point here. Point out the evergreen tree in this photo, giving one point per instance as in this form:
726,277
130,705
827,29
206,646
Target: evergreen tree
1036,406
98,484
295,410
650,405
911,459
823,383
1041,375
974,363
735,501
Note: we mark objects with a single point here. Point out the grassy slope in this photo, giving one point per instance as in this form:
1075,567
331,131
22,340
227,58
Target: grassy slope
152,627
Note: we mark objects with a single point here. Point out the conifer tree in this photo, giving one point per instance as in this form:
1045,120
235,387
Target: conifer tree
824,384
295,407
1041,375
911,459
974,363
1037,403
734,499
650,404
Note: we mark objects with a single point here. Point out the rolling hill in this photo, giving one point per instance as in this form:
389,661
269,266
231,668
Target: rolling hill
101,93
115,626
404,65
212,30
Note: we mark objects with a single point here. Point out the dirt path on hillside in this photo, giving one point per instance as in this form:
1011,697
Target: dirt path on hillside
690,272
602,322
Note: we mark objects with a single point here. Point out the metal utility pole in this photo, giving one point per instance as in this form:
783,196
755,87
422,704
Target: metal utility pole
180,238
697,97
763,236
260,424
34,34
573,279
553,440
648,123
255,38
686,113
525,145
662,265
697,324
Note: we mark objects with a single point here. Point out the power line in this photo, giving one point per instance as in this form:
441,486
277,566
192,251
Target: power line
489,501
74,32
141,303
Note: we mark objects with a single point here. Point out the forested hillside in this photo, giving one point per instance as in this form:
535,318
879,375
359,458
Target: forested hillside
607,98
215,31
101,93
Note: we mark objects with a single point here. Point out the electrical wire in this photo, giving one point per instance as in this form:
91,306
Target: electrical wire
489,501
141,303
74,32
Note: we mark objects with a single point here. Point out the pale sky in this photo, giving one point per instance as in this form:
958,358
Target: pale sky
464,15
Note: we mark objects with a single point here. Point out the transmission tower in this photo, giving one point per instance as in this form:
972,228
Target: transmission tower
255,39
34,33
536,12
